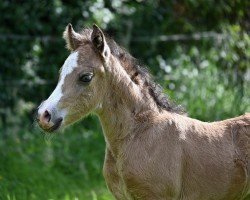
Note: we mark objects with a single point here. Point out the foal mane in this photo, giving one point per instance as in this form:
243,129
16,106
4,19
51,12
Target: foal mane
139,74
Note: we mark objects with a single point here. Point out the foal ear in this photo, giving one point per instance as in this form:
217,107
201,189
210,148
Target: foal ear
73,39
99,41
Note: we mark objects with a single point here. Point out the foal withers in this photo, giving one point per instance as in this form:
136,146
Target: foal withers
152,150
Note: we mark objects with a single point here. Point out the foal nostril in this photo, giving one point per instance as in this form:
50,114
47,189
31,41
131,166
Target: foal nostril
46,116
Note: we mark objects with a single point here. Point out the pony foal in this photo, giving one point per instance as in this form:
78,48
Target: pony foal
153,152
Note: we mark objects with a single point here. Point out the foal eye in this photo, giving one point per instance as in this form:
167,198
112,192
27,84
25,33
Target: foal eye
86,78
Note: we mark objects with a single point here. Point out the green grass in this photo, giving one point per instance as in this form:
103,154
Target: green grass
66,167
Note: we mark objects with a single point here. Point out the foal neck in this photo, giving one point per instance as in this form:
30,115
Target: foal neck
124,108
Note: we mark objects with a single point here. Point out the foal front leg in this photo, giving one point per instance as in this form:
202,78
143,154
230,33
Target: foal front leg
111,176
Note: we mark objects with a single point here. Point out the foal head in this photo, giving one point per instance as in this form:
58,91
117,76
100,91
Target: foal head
85,80
81,84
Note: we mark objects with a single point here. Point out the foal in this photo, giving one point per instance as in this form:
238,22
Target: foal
153,152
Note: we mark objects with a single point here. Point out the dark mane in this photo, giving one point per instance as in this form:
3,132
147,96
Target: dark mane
140,74
135,69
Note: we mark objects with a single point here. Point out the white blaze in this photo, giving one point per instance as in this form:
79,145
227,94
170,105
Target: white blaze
69,65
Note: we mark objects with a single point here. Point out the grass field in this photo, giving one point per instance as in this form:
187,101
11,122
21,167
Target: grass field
63,166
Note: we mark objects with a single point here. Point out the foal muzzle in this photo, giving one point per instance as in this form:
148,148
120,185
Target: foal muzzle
48,120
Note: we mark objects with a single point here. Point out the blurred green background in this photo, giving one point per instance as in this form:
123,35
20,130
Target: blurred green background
199,50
